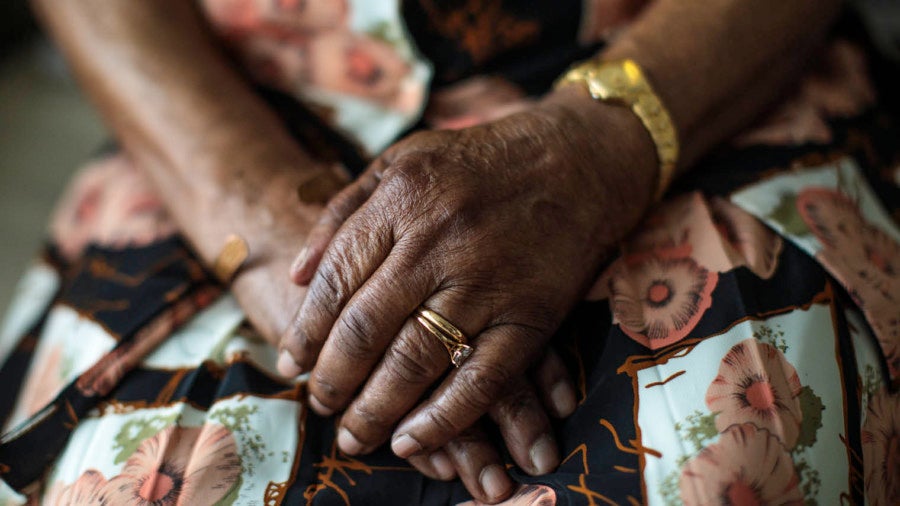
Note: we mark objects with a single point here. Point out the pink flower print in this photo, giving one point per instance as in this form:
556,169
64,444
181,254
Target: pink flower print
830,215
747,466
193,466
278,17
757,384
111,203
87,490
338,61
234,16
45,380
863,258
179,466
365,67
658,301
756,245
838,87
881,449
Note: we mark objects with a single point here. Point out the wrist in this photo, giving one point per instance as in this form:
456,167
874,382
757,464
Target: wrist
252,199
621,150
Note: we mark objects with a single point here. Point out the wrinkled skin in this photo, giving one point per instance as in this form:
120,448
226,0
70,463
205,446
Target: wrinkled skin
261,206
500,228
496,226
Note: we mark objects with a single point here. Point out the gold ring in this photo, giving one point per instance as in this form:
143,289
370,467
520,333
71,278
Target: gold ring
450,336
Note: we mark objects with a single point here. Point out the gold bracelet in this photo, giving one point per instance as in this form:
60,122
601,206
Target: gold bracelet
623,82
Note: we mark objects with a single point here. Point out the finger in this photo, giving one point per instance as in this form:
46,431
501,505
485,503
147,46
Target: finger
336,212
479,466
356,251
410,366
526,429
501,354
436,466
412,362
357,248
364,330
552,381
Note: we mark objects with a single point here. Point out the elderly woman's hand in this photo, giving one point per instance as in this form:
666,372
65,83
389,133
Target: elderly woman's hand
499,228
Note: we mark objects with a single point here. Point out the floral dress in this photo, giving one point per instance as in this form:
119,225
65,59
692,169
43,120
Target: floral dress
742,348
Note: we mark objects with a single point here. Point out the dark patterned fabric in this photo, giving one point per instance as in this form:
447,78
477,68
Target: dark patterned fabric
742,346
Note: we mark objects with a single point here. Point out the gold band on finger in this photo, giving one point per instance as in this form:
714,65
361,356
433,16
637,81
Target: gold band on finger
448,334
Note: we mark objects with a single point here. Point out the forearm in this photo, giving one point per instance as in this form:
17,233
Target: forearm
176,105
716,65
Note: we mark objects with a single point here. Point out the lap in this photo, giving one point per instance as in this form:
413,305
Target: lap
729,338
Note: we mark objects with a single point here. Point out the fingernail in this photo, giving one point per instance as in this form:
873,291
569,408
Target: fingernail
494,481
442,465
544,456
348,442
319,408
563,398
404,446
287,366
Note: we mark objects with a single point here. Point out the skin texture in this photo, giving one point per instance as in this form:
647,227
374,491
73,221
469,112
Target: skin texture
221,160
501,227
432,231
224,164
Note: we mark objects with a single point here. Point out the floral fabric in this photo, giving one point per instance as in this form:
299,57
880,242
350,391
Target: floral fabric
742,347
351,61
715,359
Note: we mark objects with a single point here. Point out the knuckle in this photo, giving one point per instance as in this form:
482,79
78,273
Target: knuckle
356,337
482,384
372,421
542,319
532,322
411,364
328,288
413,171
405,178
443,421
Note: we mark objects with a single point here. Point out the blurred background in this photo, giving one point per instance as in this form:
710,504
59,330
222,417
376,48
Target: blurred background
46,130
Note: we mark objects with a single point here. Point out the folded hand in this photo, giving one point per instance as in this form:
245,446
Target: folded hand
499,228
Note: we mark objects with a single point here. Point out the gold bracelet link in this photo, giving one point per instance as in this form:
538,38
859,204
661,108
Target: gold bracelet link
623,82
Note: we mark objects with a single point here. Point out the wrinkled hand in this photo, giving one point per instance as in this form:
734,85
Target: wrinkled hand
499,228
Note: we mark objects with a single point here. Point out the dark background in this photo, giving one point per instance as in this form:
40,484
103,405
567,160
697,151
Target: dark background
16,25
